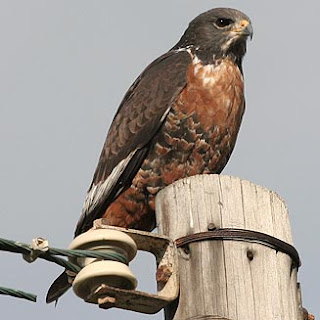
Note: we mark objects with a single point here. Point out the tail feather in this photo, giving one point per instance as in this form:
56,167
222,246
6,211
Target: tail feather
58,288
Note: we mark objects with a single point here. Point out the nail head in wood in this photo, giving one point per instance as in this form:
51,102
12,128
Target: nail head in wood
211,227
250,255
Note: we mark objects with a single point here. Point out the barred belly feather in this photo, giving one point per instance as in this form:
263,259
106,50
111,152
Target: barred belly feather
197,137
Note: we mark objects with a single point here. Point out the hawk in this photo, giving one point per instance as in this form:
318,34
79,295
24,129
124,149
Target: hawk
180,118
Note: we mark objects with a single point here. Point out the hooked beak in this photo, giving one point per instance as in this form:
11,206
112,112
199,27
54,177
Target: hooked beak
244,28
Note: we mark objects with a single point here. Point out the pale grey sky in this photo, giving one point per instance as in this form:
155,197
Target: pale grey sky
64,67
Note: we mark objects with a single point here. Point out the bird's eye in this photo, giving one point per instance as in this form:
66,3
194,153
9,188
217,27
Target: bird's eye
223,22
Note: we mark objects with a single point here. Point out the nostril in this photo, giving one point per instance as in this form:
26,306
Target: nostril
244,23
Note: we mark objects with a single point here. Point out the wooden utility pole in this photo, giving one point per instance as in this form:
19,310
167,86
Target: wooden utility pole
229,279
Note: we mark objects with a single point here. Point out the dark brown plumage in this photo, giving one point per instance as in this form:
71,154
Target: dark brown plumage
181,117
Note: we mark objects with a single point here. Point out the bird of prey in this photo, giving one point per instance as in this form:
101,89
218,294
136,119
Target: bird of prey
180,118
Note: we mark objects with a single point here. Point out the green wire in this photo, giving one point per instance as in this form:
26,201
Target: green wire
51,255
18,294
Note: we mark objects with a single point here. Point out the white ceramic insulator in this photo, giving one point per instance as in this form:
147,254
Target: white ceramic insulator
100,239
96,271
111,273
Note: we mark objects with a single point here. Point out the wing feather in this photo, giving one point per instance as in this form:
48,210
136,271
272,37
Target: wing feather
140,115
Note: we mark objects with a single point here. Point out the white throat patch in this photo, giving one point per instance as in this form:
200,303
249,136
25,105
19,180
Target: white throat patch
207,72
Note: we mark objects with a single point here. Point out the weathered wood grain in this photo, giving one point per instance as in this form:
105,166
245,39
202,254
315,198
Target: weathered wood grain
217,277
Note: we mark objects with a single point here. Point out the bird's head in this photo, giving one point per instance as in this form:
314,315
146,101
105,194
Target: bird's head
218,33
